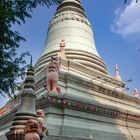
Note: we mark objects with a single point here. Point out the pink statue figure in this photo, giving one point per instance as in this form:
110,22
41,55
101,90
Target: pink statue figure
61,53
135,93
40,117
53,75
31,130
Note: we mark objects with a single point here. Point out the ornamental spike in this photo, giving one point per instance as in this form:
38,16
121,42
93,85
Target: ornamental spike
117,75
61,53
29,82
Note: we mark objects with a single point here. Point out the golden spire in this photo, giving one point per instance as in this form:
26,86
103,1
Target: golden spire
61,53
117,75
136,93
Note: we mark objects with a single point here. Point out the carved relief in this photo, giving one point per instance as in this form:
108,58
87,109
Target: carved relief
31,130
69,16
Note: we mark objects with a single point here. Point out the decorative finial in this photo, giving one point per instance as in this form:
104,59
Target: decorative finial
61,53
29,80
117,75
136,93
31,61
26,112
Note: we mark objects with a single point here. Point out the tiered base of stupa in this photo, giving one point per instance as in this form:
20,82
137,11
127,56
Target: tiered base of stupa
90,106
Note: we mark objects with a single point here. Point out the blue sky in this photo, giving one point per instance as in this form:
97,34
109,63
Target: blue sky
116,32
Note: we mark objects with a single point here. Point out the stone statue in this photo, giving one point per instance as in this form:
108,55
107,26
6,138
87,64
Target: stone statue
53,74
40,117
61,53
136,93
31,130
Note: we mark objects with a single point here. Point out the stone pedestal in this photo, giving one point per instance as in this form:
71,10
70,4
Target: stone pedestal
13,135
61,138
25,111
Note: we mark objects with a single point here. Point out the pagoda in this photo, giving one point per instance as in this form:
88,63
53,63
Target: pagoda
84,101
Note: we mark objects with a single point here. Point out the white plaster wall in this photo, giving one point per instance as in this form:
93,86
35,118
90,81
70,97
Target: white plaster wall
77,35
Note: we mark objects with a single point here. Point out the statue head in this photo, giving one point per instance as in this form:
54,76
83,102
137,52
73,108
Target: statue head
54,64
40,113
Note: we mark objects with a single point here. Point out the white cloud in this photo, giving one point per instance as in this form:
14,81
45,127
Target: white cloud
127,20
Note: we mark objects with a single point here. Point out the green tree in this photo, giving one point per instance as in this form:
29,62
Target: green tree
12,67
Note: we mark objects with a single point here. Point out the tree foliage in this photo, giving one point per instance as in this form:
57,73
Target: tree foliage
125,1
12,67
